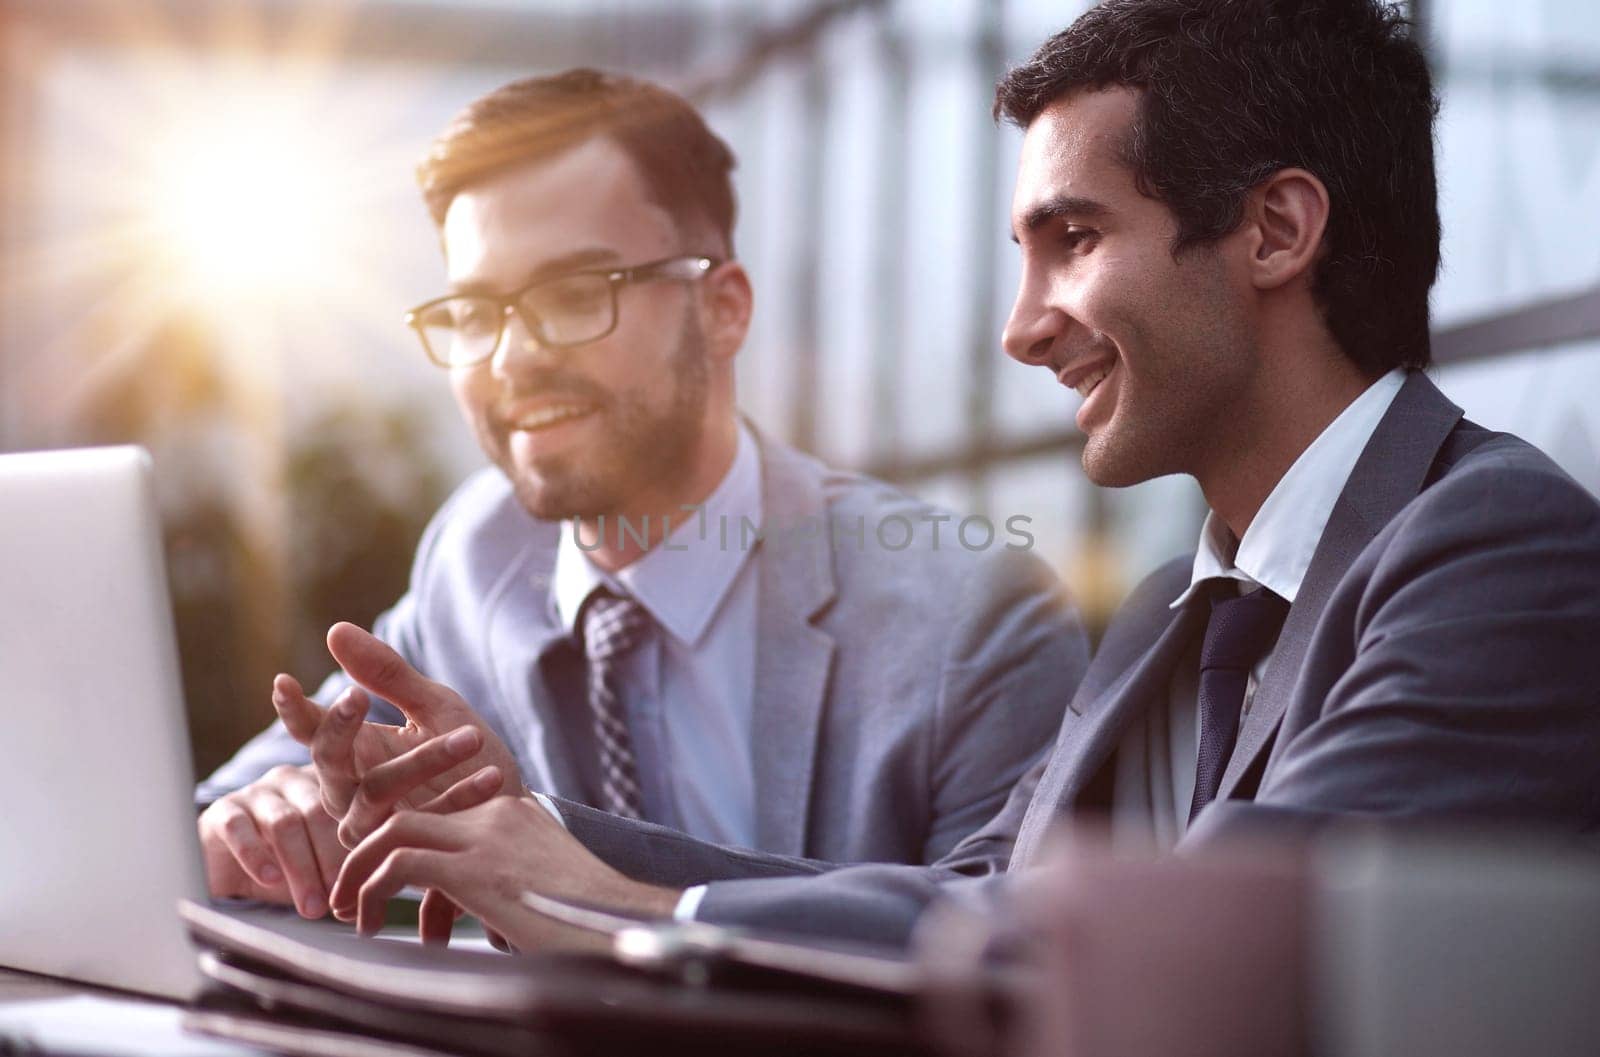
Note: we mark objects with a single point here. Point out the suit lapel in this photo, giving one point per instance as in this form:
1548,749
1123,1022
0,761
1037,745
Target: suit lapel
1389,474
1093,727
793,656
523,631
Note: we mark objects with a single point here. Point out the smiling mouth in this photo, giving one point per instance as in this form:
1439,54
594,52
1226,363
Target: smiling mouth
1088,383
545,417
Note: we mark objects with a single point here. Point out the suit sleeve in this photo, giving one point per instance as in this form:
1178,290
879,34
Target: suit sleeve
776,893
1474,686
879,903
807,897
1015,655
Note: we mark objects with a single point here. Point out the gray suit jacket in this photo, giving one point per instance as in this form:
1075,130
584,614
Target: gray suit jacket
899,693
1440,661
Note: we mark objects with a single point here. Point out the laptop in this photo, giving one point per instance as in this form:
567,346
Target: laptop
97,823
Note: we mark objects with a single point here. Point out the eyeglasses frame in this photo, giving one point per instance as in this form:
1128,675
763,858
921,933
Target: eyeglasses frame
616,278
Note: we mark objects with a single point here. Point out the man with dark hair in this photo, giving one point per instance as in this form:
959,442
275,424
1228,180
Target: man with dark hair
1222,111
1226,213
600,596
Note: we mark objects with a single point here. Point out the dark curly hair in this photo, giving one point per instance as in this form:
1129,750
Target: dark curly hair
685,165
1232,91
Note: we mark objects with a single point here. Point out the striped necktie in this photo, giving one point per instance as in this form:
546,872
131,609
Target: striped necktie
612,625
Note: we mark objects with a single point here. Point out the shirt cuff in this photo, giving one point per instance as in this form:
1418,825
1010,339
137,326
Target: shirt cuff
689,903
550,806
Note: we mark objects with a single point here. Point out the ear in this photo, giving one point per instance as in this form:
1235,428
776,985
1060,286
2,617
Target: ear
726,304
1288,214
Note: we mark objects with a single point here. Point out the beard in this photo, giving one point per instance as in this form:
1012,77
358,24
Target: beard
643,449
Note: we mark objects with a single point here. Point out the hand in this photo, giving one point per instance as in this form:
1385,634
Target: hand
436,918
366,770
272,841
484,858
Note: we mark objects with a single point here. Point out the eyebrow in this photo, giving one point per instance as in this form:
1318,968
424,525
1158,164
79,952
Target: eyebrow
1055,209
567,262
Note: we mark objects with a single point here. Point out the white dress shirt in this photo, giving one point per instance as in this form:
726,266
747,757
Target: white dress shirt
688,686
1157,758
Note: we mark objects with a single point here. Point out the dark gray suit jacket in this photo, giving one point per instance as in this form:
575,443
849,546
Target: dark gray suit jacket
900,692
1442,660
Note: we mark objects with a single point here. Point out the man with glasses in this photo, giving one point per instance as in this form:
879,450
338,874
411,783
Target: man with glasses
599,601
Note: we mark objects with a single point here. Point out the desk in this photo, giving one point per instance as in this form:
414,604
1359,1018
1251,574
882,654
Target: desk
113,1023
124,1024
65,1017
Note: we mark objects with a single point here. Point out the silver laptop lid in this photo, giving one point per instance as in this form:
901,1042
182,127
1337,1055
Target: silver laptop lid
97,837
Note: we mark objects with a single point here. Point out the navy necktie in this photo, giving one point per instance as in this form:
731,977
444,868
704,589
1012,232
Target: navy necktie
1241,630
612,625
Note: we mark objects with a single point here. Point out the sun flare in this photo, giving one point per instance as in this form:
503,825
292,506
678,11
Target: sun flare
220,206
247,212
247,193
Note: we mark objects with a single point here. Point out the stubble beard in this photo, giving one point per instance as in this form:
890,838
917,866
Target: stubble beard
642,449
1122,454
1171,414
1170,430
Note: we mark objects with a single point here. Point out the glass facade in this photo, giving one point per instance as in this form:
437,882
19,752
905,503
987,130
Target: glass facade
874,192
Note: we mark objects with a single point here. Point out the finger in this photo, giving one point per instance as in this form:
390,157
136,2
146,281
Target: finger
386,784
477,788
498,942
305,796
300,715
436,918
423,867
244,842
225,877
285,830
373,664
333,750
406,829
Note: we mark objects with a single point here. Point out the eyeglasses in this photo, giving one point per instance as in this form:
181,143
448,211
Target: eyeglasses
463,330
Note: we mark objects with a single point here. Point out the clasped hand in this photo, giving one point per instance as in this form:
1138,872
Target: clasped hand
438,804
445,758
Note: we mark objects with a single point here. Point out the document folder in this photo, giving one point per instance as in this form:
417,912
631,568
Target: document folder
314,988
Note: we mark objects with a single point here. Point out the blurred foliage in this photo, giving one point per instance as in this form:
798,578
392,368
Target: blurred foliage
361,486
204,558
268,541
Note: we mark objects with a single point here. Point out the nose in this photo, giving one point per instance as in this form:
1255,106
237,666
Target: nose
1032,329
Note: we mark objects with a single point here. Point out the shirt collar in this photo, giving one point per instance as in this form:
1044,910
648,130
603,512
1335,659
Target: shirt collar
1278,546
682,581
